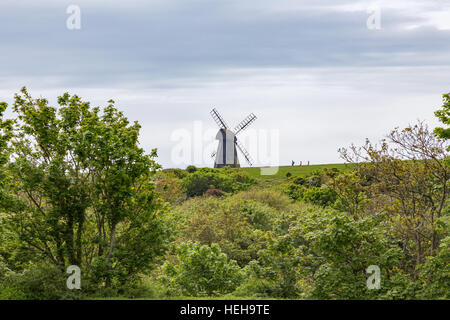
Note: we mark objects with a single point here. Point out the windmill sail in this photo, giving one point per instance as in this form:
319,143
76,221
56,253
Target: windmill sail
244,123
244,152
218,119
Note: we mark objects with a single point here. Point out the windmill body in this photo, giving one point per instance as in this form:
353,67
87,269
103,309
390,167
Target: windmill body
226,154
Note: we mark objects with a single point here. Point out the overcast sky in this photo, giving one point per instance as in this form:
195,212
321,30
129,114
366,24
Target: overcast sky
310,70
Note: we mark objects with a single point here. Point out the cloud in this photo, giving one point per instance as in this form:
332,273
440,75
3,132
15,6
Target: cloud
309,68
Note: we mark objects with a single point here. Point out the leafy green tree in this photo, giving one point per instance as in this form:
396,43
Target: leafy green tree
337,250
280,264
6,132
435,274
406,179
202,270
351,195
82,186
444,116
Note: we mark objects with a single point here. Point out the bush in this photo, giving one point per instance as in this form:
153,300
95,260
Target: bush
198,182
174,173
315,181
191,169
214,193
37,282
280,264
202,270
300,181
435,274
337,250
214,220
146,287
226,179
171,190
295,191
321,196
254,286
275,199
259,215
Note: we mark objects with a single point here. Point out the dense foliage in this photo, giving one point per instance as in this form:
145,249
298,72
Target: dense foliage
79,192
201,270
76,189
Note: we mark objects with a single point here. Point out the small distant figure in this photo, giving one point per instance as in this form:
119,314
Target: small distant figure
308,163
300,164
293,162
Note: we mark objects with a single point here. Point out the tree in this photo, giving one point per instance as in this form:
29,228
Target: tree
6,127
351,196
444,116
406,179
83,193
337,249
435,273
202,270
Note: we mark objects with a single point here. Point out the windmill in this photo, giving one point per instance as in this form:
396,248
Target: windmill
226,154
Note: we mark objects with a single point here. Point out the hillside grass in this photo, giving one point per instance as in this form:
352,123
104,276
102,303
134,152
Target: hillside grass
296,170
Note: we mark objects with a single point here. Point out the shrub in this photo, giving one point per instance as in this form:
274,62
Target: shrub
213,220
435,274
337,250
226,179
314,181
280,264
198,182
214,193
202,270
300,181
253,285
288,175
275,199
36,282
174,173
171,190
321,196
259,215
146,287
191,169
295,191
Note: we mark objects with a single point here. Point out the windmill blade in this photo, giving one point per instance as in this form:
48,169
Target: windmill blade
244,152
245,123
218,119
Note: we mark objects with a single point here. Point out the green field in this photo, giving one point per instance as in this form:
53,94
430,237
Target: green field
295,170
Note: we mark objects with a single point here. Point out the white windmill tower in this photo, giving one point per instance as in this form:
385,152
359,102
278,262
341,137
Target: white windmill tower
226,154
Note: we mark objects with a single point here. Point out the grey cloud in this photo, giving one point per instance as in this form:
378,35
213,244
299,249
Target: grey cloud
182,44
310,68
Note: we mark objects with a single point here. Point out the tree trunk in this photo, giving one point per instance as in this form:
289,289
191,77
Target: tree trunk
112,241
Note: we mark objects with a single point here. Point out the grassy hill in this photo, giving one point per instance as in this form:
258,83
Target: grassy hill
295,170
